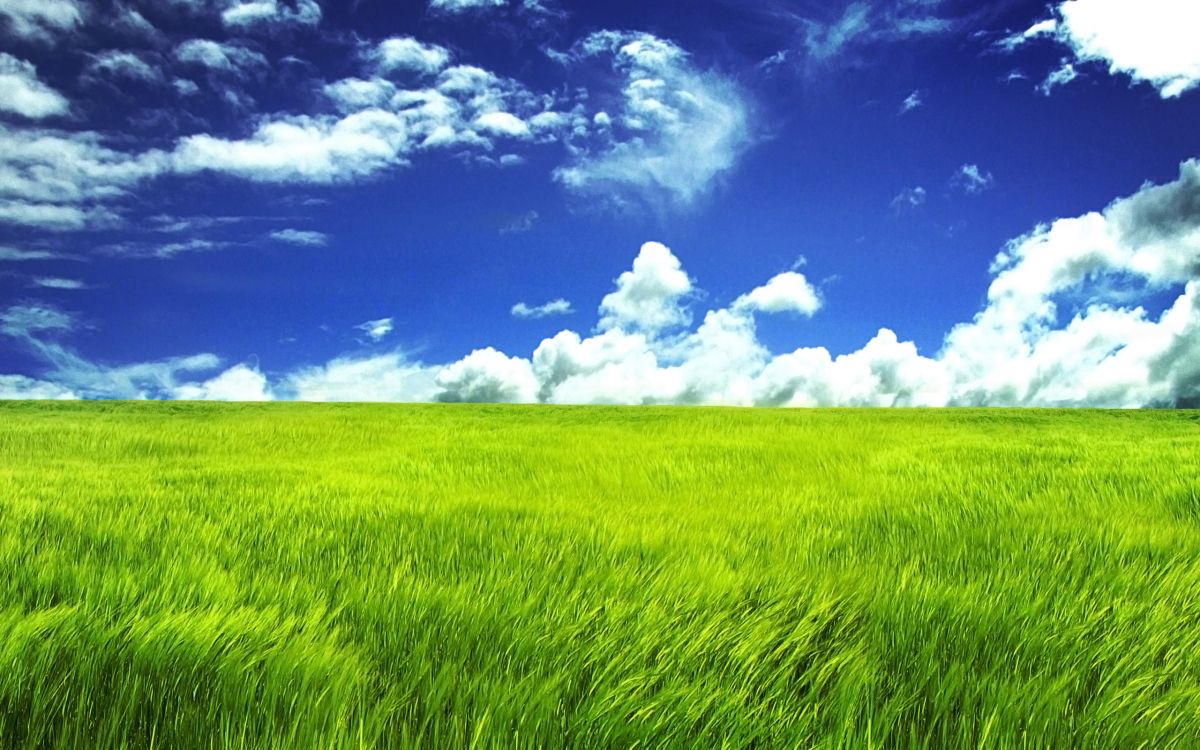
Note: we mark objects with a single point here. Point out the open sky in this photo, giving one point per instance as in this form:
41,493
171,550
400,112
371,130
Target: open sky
774,202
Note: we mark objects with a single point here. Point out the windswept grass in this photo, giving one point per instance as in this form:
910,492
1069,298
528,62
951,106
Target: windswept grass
215,576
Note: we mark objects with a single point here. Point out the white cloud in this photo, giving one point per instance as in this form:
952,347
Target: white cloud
1060,328
21,91
388,377
909,199
549,309
230,58
162,250
21,387
676,129
185,87
354,94
238,383
407,55
787,292
1061,76
270,14
462,6
1151,41
41,20
1041,29
55,179
863,24
303,149
365,140
486,375
56,282
301,237
18,254
913,101
648,296
376,330
1014,352
54,217
502,123
123,64
33,319
971,179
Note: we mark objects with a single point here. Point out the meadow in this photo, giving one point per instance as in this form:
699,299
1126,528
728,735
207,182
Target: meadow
457,576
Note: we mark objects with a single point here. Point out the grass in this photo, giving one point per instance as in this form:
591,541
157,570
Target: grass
311,576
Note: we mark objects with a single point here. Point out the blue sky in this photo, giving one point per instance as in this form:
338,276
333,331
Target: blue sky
903,202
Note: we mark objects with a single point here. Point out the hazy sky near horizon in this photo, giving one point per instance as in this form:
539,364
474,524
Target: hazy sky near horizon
891,202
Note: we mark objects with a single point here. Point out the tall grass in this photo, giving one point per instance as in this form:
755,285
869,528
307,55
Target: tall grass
307,576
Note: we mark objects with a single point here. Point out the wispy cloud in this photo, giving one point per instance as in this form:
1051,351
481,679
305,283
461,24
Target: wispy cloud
377,330
301,237
27,320
913,101
909,199
971,179
521,223
549,309
56,282
673,130
18,254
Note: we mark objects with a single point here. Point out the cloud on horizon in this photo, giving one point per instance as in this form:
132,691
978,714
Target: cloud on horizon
1032,344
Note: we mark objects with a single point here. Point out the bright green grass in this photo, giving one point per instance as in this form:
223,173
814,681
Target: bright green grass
195,576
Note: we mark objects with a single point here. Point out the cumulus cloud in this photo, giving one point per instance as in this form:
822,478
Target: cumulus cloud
1032,344
238,383
673,129
376,330
22,93
648,296
971,179
787,292
301,237
405,54
535,312
486,375
41,20
1151,41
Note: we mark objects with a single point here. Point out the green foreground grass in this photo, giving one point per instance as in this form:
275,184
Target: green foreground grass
310,576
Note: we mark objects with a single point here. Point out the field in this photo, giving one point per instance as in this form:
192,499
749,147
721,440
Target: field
450,576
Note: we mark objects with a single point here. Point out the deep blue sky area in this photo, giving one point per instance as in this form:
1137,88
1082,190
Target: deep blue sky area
280,186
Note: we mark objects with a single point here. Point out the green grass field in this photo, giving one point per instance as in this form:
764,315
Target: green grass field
310,576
